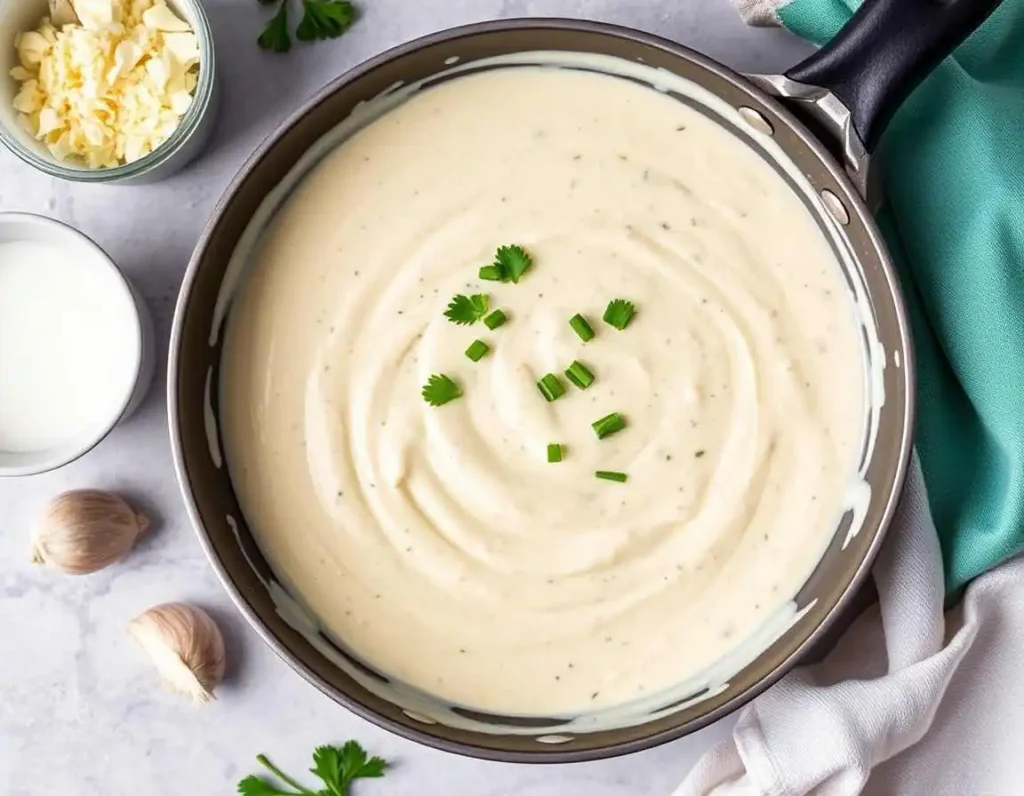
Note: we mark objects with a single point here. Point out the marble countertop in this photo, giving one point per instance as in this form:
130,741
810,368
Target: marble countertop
81,712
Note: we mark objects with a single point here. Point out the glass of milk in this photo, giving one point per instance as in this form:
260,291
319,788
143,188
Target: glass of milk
76,345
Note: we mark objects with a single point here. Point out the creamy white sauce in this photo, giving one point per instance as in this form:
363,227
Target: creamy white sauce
438,544
69,346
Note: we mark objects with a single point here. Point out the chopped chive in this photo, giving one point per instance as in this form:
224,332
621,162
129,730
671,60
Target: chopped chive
611,475
580,375
554,453
495,319
619,313
492,273
698,454
582,328
550,387
477,350
609,425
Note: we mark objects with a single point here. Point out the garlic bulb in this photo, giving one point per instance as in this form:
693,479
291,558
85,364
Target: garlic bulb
85,530
185,645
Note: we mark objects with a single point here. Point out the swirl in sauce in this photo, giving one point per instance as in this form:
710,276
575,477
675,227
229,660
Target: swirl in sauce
437,543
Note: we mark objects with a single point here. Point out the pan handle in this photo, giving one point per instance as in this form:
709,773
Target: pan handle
886,49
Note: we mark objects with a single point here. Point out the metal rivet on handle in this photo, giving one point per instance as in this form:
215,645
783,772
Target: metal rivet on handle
756,120
835,207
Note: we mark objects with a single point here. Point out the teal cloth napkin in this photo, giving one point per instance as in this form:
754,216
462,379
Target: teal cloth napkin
953,165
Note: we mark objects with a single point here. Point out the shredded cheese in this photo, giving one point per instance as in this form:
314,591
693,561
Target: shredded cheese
110,90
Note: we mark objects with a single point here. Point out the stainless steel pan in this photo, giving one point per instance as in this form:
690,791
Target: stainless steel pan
827,114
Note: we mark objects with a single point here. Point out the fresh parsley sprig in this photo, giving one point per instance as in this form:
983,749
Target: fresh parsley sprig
510,263
321,19
275,34
440,389
465,310
513,261
338,767
325,19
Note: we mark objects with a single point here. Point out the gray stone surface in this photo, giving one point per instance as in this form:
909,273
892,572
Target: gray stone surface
80,711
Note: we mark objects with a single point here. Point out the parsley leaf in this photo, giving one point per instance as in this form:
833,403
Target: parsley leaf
336,766
257,786
355,765
275,35
440,389
325,19
513,262
327,766
465,310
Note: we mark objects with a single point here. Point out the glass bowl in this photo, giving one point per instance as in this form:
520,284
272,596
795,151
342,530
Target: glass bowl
183,146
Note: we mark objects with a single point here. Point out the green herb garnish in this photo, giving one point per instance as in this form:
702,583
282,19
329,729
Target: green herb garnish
337,767
582,328
550,387
440,389
321,19
512,262
325,19
495,319
492,273
554,453
612,475
580,375
619,313
477,350
608,425
465,310
275,35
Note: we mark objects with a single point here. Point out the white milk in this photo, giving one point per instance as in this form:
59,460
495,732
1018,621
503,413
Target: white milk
69,343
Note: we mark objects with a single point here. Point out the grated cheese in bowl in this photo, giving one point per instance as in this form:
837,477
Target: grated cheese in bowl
110,90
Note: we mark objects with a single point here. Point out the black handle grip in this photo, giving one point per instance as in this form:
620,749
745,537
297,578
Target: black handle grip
883,53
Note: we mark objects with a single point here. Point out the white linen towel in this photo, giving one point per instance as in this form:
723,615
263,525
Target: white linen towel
892,678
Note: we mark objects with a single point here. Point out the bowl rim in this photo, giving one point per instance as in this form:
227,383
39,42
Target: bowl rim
48,463
551,755
201,101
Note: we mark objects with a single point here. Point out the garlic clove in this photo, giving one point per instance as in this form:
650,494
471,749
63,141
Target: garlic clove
185,645
85,530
